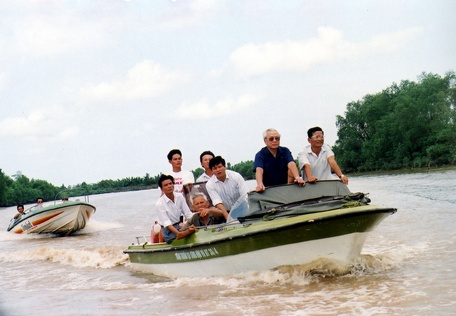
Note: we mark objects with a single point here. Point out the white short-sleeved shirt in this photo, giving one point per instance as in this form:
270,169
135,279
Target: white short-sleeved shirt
169,212
228,192
181,178
203,178
319,164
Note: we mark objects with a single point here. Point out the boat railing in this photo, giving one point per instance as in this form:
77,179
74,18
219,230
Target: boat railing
142,240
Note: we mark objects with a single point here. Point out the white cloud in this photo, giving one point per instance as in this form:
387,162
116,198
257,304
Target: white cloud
142,130
3,78
189,13
46,35
43,123
390,41
145,79
203,109
328,46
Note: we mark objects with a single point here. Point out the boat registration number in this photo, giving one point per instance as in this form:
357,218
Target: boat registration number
197,254
26,226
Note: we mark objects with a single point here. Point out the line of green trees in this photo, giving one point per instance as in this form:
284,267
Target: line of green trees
410,125
19,189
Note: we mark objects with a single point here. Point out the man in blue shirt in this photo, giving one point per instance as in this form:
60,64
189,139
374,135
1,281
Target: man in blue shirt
274,164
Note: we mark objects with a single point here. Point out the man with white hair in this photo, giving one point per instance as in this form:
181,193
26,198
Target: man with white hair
274,164
204,214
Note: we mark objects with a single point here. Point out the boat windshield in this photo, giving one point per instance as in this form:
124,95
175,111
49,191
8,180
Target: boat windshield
273,197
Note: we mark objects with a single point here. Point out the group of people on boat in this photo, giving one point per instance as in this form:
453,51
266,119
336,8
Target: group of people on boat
224,190
21,211
39,204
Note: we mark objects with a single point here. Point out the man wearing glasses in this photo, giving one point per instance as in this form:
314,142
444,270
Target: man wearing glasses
317,159
274,164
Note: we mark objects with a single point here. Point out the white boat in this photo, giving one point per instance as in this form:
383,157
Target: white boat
62,219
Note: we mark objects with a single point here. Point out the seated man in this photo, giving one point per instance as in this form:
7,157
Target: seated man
20,210
170,206
226,187
274,164
39,204
205,214
317,159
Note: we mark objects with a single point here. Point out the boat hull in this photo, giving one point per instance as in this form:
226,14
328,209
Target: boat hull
261,245
61,219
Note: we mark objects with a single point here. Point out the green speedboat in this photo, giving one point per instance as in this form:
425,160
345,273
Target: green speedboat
284,225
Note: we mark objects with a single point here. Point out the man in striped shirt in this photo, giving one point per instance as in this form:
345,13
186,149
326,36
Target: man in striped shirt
226,188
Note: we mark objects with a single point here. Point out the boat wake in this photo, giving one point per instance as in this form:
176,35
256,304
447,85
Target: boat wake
377,262
326,268
294,275
322,268
8,236
99,258
96,226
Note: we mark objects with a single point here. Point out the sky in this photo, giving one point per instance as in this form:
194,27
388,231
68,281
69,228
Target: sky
94,90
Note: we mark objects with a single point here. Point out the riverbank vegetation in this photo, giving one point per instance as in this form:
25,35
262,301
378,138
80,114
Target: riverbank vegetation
19,189
408,125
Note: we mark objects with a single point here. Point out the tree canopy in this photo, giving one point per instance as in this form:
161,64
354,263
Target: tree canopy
410,125
19,189
22,190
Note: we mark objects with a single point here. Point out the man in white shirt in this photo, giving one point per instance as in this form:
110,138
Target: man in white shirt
39,204
20,211
205,157
226,187
317,159
181,177
170,206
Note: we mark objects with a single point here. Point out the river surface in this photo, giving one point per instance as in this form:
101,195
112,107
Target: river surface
407,266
